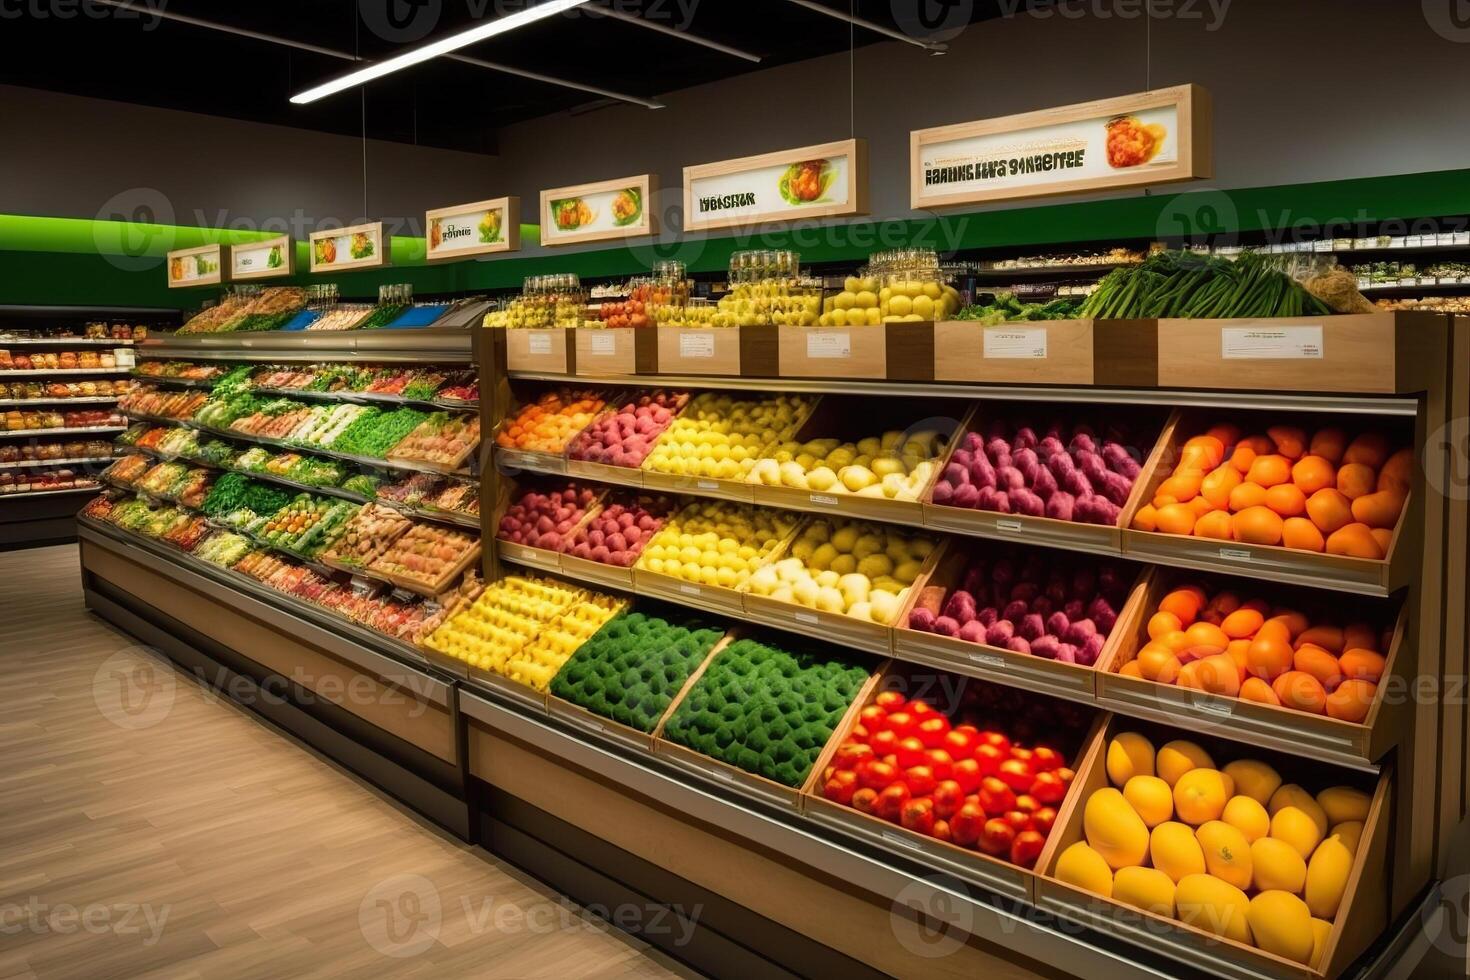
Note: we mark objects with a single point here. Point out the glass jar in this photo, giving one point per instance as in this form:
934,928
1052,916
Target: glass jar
766,288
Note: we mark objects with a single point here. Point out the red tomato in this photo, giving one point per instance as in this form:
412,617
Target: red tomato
920,780
1017,774
1026,848
1067,775
859,733
889,700
877,774
996,837
922,709
918,816
989,758
849,754
884,741
948,798
995,796
901,723
1043,820
959,743
1024,755
1018,820
991,737
942,764
891,801
941,831
865,799
966,824
841,786
1046,759
910,752
932,730
967,774
1049,788
873,717
1027,803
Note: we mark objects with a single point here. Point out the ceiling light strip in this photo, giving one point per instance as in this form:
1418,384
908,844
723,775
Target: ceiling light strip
933,46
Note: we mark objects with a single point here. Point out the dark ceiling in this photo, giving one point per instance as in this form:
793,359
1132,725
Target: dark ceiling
442,103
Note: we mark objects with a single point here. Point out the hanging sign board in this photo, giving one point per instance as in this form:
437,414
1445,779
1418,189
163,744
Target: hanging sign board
826,181
1153,137
607,210
201,266
269,259
358,247
480,228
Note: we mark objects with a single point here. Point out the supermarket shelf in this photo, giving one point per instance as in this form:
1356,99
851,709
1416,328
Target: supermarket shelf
61,341
1168,397
418,346
207,385
1413,287
22,402
18,433
354,397
100,312
1058,271
32,494
61,372
22,464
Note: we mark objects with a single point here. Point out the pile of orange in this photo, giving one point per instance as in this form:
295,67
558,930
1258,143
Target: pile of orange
549,423
1246,649
1281,488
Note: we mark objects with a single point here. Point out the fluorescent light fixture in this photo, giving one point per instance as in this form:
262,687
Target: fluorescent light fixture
435,49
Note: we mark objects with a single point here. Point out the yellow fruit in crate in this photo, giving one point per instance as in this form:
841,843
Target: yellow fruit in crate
1275,865
1176,851
1254,779
1293,795
1082,867
1348,834
1215,906
1129,755
1178,757
1150,798
1343,804
1247,816
1296,827
1281,924
1321,929
1327,875
1200,795
1114,830
1144,888
1227,854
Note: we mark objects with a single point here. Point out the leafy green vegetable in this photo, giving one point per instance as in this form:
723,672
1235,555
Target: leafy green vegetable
1184,284
374,434
1006,308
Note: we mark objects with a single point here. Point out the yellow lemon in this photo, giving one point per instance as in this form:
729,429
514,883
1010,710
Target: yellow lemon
1129,755
1276,866
1248,816
1150,798
1178,757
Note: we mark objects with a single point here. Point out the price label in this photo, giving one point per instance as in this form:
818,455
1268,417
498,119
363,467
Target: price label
1461,238
696,343
899,839
1271,343
723,774
1004,524
604,344
706,484
828,344
1212,705
539,342
1015,343
1235,554
987,660
826,500
693,590
807,618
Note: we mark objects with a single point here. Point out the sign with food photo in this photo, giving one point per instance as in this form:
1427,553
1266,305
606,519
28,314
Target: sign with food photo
1150,138
358,247
609,209
481,228
825,181
269,259
200,266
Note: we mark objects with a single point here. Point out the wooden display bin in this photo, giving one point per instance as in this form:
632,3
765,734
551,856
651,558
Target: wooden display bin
887,351
727,352
616,351
1359,745
627,476
1365,353
992,873
538,558
541,351
1032,673
1363,575
505,687
1073,535
1361,918
601,573
510,461
711,598
1046,352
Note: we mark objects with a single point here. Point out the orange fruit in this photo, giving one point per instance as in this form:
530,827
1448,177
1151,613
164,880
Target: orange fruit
1275,628
1354,541
1225,603
1157,663
1268,657
1163,623
1381,509
1269,470
1246,496
1191,676
1384,537
1370,449
1312,473
1214,524
1351,701
1183,486
1329,444
1362,665
1200,506
1359,636
1329,638
1130,669
1147,518
1176,519
1226,432
1257,525
1300,691
1177,641
1329,510
1202,452
1320,664
1255,689
1356,479
1294,622
1398,472
1184,602
1301,534
1207,635
1286,500
1220,675
1239,651
1241,460
1217,486
1291,442
1242,624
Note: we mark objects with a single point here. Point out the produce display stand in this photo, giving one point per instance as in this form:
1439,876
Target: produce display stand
1046,352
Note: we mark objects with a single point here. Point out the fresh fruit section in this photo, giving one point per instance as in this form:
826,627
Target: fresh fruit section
716,544
721,437
894,466
544,519
537,662
58,361
427,558
625,436
618,533
549,423
367,534
507,616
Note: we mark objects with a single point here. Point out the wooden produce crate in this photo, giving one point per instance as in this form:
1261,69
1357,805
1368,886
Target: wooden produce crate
541,351
541,559
510,461
506,688
1362,575
977,867
429,589
851,419
616,351
728,352
711,598
1320,737
887,351
601,573
1073,535
1361,918
1046,352
1071,681
627,476
1362,353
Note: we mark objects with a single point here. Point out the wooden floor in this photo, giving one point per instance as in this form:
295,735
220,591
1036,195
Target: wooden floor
154,830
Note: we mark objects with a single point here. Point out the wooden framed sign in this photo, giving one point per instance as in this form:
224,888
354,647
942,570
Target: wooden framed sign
825,181
201,266
358,247
603,211
269,259
1153,137
480,228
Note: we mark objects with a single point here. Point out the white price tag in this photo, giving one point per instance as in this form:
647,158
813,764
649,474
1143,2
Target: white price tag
828,344
706,484
539,342
826,500
1015,343
1213,705
727,776
901,840
807,618
1005,524
696,343
1461,238
1265,343
693,590
1444,238
1235,554
604,344
987,659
